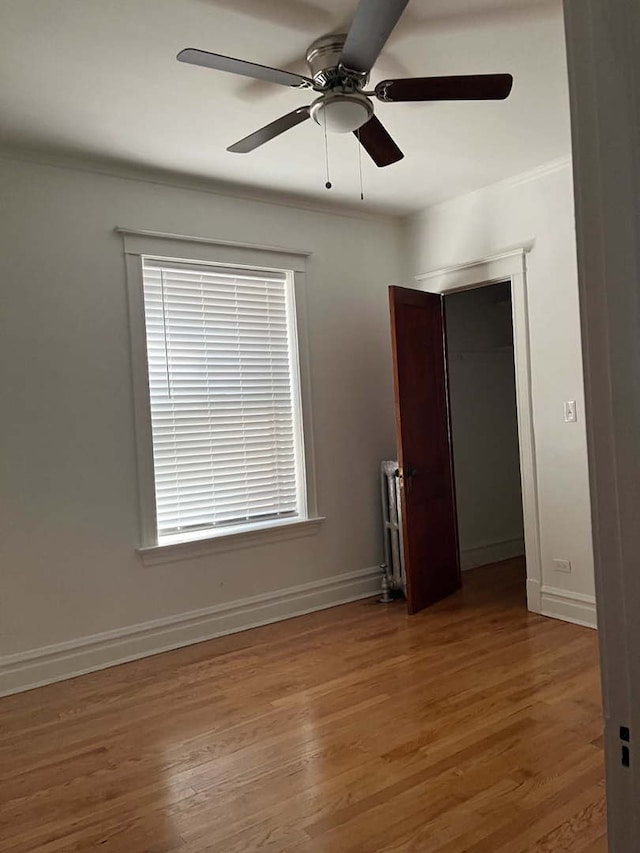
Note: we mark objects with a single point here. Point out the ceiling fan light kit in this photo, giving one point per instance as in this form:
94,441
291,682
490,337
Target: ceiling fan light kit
339,69
341,112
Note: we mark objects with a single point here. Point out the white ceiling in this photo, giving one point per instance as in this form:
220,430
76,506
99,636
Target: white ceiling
99,78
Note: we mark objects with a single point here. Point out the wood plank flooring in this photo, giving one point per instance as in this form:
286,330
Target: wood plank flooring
474,726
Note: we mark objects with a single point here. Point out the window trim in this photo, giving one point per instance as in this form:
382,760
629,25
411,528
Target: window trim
246,536
140,244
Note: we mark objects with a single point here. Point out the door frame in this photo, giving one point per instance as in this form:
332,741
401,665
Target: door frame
511,266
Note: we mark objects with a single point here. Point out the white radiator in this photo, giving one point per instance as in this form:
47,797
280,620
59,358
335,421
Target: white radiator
394,579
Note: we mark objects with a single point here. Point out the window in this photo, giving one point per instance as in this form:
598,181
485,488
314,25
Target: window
218,392
224,396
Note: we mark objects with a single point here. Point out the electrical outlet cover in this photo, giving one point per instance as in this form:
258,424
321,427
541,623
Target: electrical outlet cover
562,566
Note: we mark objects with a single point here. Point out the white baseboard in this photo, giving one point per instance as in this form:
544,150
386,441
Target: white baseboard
45,665
493,552
569,606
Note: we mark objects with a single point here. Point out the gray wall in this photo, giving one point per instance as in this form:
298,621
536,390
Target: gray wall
534,209
68,493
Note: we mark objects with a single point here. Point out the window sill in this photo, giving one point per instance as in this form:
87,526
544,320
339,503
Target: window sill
219,543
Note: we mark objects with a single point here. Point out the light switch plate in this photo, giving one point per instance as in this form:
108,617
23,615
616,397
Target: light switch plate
562,566
570,412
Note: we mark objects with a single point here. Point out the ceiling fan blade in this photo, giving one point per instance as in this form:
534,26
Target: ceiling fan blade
471,87
252,90
371,27
270,131
246,69
377,143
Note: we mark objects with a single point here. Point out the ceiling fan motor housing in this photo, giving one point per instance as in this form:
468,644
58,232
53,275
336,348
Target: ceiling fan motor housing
323,59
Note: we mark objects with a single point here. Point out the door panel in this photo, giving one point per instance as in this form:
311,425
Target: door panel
429,521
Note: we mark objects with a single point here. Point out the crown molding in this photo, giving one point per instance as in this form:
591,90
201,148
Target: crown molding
549,168
178,180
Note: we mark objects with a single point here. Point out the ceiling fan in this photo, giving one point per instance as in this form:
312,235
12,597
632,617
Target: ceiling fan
339,71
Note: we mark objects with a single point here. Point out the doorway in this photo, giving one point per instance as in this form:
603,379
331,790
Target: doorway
429,520
484,425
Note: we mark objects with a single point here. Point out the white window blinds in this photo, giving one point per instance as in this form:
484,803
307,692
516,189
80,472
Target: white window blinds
224,392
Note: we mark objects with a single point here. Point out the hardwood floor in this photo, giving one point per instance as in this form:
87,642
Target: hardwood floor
474,726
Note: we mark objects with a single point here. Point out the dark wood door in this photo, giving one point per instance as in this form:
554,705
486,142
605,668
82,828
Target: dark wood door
429,521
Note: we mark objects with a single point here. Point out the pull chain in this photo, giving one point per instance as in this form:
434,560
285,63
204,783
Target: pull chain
328,185
360,164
